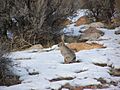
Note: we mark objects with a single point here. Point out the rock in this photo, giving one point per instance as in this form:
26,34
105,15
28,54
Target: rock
90,37
115,72
66,22
117,32
84,46
71,39
91,34
37,46
62,22
93,30
82,20
71,87
96,25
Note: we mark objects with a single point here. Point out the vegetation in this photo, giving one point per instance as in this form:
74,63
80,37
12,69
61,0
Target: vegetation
107,11
34,21
7,77
101,10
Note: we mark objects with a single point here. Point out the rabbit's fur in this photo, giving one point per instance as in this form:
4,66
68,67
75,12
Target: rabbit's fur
67,53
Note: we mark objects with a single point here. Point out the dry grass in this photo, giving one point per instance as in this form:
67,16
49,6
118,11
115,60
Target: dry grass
61,78
65,22
68,86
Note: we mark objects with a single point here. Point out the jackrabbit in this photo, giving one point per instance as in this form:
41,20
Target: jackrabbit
67,53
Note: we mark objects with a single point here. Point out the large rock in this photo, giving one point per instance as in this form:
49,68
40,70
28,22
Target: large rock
84,46
62,22
96,25
91,34
117,32
37,47
71,39
82,20
93,30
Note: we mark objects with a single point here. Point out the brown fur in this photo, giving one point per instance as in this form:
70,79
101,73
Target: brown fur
67,53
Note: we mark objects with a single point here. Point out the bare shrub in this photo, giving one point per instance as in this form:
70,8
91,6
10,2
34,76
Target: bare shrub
101,10
117,7
116,17
6,75
30,20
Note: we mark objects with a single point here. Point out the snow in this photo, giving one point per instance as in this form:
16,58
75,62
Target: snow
85,82
78,14
74,31
52,74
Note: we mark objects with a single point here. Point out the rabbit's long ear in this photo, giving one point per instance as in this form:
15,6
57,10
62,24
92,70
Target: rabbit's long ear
62,38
